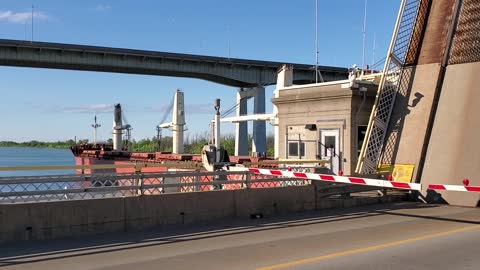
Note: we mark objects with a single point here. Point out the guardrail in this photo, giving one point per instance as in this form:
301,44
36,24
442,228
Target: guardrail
94,186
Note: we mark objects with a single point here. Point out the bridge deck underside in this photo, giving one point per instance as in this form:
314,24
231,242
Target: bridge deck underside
227,71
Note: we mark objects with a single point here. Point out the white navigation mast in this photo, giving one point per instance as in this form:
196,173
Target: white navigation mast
95,127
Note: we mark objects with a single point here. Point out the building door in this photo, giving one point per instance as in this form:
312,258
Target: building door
330,148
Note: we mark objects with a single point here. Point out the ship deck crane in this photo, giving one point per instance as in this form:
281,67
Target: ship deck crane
118,128
178,122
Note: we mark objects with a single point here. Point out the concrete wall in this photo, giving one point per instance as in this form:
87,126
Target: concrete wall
439,18
408,126
450,152
455,141
409,120
25,221
52,220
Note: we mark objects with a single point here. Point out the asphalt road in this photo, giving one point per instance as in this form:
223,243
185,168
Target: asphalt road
396,236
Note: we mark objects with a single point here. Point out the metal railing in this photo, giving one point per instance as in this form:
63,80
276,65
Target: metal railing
95,186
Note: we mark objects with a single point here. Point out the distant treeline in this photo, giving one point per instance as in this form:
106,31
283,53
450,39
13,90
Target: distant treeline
193,144
37,144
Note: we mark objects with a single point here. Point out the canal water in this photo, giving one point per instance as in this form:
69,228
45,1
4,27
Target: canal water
26,156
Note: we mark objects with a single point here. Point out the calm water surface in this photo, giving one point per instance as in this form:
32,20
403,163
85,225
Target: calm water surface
25,156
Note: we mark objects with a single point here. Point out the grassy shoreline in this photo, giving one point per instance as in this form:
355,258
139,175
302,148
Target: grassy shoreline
37,144
193,144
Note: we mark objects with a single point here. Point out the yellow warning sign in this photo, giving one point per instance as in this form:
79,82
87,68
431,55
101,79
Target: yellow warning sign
399,172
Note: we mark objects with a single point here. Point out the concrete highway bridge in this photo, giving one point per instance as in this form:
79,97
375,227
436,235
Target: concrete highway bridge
228,71
250,76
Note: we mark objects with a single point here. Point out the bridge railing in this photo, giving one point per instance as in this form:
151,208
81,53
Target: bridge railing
94,186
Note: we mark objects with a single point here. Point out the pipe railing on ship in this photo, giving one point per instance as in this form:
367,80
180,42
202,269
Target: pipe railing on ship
180,165
287,162
136,166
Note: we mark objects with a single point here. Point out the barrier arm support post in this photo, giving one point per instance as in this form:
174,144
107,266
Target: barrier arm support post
139,179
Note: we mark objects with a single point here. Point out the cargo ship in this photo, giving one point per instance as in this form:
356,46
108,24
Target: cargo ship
119,159
104,154
118,153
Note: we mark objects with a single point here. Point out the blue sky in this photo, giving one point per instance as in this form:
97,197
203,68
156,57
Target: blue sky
51,105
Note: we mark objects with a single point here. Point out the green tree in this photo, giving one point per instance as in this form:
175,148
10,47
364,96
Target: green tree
193,144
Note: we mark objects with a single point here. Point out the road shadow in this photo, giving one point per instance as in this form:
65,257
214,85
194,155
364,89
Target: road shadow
38,251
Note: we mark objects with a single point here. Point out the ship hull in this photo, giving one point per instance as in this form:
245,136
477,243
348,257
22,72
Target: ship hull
202,186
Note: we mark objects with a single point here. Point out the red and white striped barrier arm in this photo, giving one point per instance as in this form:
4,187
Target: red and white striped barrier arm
339,179
454,187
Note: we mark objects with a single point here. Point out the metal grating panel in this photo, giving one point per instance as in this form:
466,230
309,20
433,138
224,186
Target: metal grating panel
466,42
405,28
95,186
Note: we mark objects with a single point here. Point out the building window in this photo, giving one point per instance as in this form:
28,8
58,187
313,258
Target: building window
330,146
361,131
293,149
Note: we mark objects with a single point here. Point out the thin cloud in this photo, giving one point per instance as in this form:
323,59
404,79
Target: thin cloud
189,109
200,109
102,7
90,108
22,17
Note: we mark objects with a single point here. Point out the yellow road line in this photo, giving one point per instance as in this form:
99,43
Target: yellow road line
365,249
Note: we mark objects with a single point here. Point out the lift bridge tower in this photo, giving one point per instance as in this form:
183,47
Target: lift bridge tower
425,113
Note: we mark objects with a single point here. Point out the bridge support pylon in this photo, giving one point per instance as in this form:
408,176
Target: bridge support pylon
259,140
241,129
259,143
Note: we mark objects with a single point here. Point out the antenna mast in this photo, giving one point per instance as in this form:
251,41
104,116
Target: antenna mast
32,25
374,45
364,34
316,41
95,127
318,75
228,41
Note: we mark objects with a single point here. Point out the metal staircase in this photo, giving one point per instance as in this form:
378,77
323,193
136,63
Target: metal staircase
388,87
